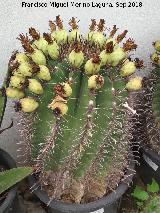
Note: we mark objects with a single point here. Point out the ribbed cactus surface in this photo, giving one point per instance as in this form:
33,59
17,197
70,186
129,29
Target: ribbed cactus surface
153,101
72,93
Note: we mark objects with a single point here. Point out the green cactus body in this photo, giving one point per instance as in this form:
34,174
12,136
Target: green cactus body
45,119
75,126
156,101
152,103
77,113
103,119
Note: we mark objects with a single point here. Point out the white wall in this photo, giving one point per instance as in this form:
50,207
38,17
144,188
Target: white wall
143,25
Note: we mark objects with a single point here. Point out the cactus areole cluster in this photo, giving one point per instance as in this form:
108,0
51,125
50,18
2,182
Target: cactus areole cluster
153,101
71,101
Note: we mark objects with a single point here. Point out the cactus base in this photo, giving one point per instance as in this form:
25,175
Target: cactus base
108,203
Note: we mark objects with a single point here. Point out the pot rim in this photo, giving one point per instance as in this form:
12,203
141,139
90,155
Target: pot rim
12,192
151,153
88,207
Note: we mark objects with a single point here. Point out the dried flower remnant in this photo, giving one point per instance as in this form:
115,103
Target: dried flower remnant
121,36
35,35
113,32
52,48
98,37
139,63
74,34
37,55
101,25
129,45
73,96
52,26
92,27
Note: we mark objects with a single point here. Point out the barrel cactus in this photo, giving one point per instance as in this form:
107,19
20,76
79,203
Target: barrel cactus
153,100
71,102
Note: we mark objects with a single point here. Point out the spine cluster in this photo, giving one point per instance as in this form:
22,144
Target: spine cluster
76,89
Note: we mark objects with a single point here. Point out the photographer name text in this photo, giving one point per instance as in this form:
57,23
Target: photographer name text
54,4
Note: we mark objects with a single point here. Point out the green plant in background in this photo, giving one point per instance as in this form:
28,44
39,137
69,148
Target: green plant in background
10,177
71,96
147,201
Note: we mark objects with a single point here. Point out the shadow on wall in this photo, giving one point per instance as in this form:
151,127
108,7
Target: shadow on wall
10,137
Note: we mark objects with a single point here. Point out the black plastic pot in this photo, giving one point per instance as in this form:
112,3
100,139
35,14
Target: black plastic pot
107,204
149,165
10,203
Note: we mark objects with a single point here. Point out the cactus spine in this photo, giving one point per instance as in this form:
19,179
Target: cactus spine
79,133
152,101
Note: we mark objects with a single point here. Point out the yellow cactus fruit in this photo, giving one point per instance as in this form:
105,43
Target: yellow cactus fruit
117,56
25,69
17,81
93,65
38,57
61,34
156,45
128,68
44,73
14,93
41,44
155,58
59,106
28,104
95,82
21,57
104,56
63,89
99,38
134,83
35,87
76,57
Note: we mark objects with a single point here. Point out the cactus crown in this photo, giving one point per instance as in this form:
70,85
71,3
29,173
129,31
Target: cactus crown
72,96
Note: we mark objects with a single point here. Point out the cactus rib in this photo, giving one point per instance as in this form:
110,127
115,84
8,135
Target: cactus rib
72,92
